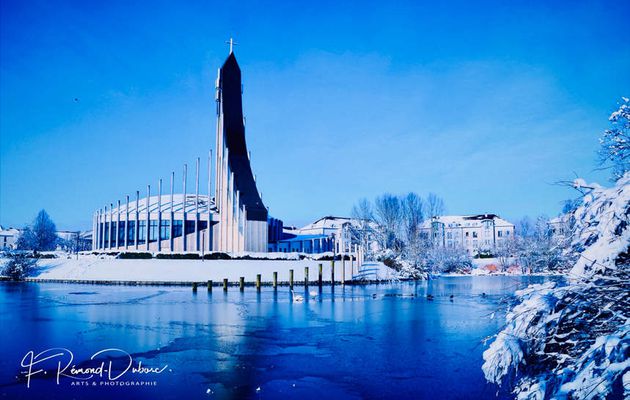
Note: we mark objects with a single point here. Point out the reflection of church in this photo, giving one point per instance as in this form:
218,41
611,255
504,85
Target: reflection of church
233,219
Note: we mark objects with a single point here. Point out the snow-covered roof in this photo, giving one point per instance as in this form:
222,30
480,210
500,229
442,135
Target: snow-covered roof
453,221
11,231
177,201
327,222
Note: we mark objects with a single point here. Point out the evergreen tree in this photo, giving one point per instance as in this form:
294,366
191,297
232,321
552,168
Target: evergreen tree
42,236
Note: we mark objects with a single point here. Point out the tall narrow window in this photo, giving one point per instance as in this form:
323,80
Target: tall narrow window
142,232
189,226
153,230
121,233
131,232
177,228
165,229
112,239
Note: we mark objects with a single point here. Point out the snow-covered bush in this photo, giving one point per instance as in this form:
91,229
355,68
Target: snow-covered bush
18,266
405,268
448,259
538,250
572,341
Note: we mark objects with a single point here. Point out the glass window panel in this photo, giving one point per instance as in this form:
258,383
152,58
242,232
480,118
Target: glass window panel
165,229
153,230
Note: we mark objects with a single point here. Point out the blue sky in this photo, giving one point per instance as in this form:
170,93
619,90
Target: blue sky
485,104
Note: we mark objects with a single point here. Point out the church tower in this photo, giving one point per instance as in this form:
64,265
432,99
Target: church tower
242,215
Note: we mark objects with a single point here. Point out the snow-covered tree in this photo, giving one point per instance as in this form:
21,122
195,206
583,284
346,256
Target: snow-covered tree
41,236
413,217
26,240
506,252
615,142
573,341
388,215
536,248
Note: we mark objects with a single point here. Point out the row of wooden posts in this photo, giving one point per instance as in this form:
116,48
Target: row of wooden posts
241,283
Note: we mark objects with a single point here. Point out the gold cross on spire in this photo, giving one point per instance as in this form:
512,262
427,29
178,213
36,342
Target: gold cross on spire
232,43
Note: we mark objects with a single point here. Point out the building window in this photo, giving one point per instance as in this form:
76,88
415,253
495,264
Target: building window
467,233
507,233
121,233
190,227
475,243
142,232
165,229
449,235
131,230
203,225
112,239
474,234
106,234
177,228
500,233
153,230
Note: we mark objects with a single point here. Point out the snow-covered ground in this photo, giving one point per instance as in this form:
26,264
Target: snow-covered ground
90,267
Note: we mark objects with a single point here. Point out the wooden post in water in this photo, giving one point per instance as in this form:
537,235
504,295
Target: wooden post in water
241,284
332,271
291,279
195,287
225,284
319,282
258,282
275,280
305,276
343,269
209,286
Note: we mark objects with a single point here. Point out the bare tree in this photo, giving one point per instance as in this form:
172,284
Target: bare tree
361,227
434,206
413,216
388,215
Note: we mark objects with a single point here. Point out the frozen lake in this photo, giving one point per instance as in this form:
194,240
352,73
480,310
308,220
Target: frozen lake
374,341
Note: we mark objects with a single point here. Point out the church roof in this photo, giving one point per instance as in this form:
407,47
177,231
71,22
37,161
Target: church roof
178,202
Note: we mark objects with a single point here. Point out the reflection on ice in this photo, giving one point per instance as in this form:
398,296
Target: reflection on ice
342,341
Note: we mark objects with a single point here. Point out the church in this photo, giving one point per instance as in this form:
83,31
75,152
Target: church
229,217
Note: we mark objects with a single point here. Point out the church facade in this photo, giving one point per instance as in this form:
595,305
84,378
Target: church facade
229,217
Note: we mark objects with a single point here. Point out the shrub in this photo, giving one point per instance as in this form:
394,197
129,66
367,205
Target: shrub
217,256
135,256
19,266
42,256
185,256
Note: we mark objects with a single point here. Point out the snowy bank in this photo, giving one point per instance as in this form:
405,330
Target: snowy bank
98,268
